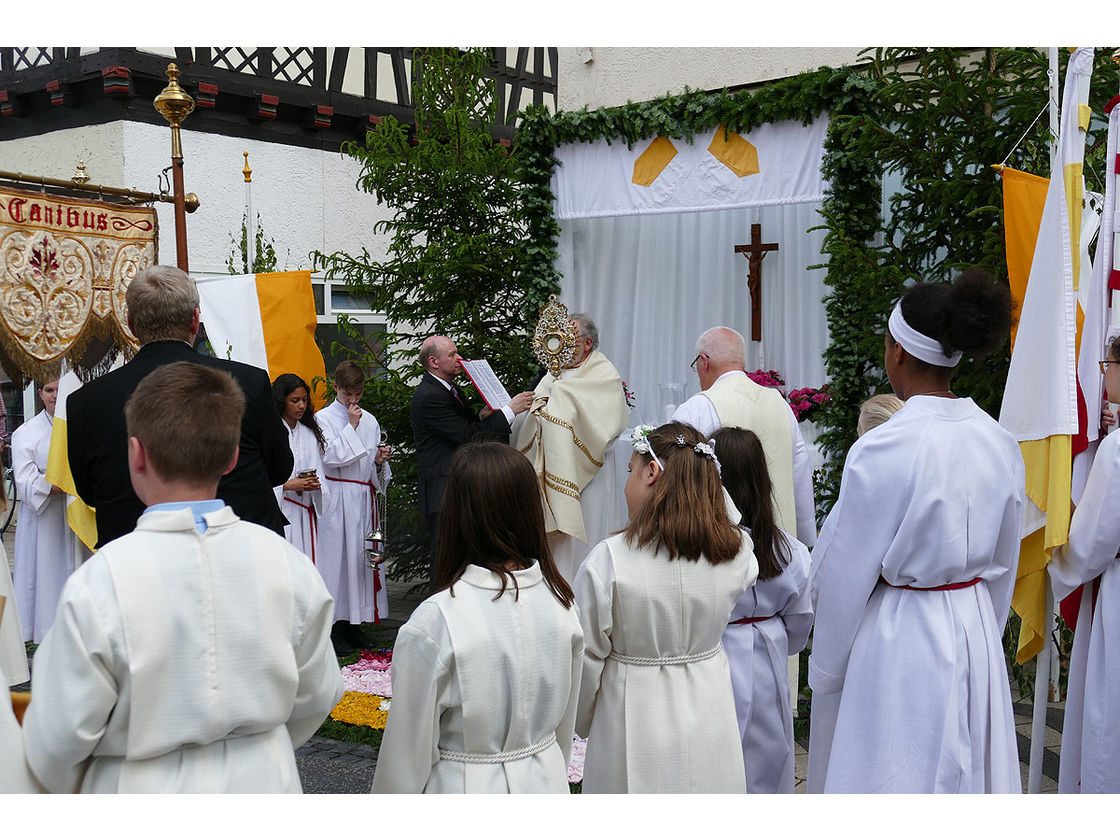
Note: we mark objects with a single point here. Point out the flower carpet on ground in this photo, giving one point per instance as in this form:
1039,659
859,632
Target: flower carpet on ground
368,694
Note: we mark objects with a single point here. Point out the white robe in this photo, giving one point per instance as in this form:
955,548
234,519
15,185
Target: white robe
1090,761
304,510
350,455
46,550
478,676
910,689
183,662
15,775
13,652
661,719
759,653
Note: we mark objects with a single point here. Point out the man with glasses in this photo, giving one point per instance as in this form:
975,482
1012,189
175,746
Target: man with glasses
731,398
567,434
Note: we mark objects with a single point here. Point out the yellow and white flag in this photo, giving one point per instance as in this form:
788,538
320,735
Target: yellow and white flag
1040,398
267,320
79,516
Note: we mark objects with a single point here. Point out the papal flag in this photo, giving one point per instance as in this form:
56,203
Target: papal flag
1040,402
79,515
267,320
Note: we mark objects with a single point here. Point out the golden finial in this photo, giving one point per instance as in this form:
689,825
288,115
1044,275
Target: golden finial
80,177
174,102
247,172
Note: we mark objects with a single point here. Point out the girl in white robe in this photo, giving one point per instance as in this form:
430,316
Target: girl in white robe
486,671
303,498
15,775
356,469
770,623
1090,761
46,550
910,688
656,702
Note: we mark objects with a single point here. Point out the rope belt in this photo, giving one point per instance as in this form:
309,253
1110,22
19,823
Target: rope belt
753,620
374,519
311,520
666,660
943,588
499,758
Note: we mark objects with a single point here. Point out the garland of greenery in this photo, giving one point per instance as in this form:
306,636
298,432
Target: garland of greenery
851,208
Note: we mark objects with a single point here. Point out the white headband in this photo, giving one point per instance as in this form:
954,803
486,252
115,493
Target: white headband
918,345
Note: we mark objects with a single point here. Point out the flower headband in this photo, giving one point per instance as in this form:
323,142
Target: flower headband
639,440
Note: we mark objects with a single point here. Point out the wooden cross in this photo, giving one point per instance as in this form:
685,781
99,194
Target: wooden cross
754,251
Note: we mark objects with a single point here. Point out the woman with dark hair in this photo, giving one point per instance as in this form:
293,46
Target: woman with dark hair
910,689
486,671
1090,760
771,621
655,701
303,498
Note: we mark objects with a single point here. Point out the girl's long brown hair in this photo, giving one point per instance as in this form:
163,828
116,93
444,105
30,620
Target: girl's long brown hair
747,480
491,515
686,513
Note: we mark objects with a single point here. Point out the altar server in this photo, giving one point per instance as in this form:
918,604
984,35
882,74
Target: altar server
1090,761
191,655
910,689
486,671
357,468
305,496
46,550
15,776
656,703
770,623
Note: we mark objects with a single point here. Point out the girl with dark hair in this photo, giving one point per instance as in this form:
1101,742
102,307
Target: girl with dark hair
655,701
486,671
1090,761
303,499
771,621
910,689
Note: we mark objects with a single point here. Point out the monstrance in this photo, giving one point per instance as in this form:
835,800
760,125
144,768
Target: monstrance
554,340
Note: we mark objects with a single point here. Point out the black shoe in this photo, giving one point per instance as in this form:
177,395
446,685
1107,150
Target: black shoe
353,634
340,640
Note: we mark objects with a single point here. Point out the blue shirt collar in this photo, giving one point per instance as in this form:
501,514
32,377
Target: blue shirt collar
198,508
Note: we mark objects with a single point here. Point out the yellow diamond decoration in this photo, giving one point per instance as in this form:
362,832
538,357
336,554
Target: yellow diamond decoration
652,161
735,152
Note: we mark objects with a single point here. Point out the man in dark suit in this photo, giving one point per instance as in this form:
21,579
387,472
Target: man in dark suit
441,421
163,314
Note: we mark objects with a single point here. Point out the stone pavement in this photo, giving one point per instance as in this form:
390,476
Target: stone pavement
329,766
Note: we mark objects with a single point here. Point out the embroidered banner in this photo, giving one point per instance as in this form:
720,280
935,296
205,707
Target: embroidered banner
66,263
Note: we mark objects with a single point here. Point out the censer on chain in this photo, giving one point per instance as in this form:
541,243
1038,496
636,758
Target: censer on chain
375,539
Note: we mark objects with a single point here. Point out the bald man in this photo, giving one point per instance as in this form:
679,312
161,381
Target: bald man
441,421
731,398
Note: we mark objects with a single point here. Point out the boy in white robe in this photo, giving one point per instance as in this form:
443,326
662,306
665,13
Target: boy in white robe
357,468
193,654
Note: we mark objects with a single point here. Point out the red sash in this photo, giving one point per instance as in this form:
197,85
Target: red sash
311,519
753,620
943,588
375,520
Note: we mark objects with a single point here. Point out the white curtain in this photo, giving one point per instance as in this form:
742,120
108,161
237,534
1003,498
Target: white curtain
653,283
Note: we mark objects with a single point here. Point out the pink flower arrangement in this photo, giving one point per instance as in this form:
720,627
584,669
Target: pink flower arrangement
768,378
807,402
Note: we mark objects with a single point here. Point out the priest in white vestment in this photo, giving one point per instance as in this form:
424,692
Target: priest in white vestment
568,435
192,655
46,550
1090,760
731,398
357,468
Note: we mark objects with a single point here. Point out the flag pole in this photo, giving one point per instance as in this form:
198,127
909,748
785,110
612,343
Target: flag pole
1042,660
250,237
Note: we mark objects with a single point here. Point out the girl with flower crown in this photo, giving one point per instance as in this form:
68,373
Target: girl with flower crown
770,623
655,698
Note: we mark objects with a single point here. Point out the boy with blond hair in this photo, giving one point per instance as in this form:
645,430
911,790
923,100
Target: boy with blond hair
193,654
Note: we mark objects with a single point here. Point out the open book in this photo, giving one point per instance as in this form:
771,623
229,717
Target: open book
483,378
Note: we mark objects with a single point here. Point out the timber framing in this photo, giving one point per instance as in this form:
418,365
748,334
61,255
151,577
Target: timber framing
293,95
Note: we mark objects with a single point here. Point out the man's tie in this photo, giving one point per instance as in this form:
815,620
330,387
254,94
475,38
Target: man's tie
458,399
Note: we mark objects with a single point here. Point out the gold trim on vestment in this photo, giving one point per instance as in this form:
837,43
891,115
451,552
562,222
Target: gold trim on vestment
560,485
575,438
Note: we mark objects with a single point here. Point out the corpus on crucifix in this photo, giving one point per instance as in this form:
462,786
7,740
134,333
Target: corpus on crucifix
754,251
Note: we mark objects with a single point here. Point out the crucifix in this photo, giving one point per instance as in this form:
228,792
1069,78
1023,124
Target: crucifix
754,251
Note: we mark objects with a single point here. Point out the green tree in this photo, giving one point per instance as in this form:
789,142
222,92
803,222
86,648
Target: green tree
264,252
458,260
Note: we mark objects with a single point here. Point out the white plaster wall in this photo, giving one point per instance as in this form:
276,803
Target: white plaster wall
600,77
305,198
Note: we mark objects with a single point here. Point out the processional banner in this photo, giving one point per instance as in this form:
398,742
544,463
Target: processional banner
66,263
